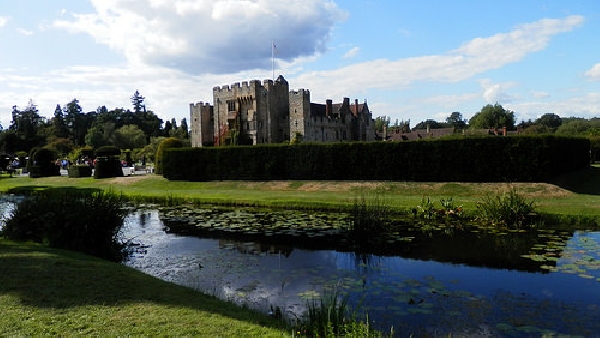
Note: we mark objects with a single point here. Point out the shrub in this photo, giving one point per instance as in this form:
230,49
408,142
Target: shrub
81,220
170,142
80,170
108,163
507,208
42,163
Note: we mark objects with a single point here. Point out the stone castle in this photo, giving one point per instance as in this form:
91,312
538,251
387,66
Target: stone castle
254,113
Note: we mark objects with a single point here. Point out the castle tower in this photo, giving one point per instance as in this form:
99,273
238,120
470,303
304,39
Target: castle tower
201,115
299,112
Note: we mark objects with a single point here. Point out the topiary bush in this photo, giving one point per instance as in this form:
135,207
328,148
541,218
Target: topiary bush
170,142
42,163
108,163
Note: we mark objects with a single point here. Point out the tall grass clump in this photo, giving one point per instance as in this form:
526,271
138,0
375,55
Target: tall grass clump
330,316
87,221
370,216
507,208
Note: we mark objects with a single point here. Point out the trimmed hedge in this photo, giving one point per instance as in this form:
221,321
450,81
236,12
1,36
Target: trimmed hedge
79,170
42,163
473,159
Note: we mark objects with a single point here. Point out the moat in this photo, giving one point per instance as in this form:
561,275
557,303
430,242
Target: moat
440,281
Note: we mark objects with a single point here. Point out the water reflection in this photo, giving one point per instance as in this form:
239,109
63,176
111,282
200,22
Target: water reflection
441,286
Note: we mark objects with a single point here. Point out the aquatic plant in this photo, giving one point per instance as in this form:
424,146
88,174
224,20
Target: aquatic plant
370,215
448,211
508,208
330,316
88,221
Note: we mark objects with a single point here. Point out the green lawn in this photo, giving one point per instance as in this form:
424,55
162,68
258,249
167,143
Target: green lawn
54,292
573,194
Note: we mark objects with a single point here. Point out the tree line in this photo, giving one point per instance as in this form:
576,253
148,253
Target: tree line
71,131
497,117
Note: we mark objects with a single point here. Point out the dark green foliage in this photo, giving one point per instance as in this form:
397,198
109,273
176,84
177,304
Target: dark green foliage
108,151
108,163
473,159
507,208
81,220
371,216
107,167
42,163
80,170
167,143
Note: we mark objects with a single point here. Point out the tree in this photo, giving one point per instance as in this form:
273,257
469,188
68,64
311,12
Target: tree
431,124
75,122
58,122
184,128
456,120
129,137
493,117
95,138
550,121
138,102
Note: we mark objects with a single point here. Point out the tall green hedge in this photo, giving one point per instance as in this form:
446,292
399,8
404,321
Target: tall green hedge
472,159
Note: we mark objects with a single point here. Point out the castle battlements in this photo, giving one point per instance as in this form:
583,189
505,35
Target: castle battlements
267,111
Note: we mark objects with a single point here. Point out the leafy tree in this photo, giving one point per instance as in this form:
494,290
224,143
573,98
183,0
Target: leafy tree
129,137
577,126
381,122
493,116
550,121
95,138
456,120
432,124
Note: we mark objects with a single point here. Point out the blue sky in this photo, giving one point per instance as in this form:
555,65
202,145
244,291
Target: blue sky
411,60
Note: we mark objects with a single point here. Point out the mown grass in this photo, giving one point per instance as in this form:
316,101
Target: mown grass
573,194
47,291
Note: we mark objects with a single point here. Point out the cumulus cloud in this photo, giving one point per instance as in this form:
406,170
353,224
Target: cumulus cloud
594,72
207,36
496,92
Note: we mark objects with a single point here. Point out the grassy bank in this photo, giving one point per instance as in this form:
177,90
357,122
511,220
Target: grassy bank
574,194
55,292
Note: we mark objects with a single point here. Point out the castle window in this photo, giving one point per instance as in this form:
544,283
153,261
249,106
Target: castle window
231,105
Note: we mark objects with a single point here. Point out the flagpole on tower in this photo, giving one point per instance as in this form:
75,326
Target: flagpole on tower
273,60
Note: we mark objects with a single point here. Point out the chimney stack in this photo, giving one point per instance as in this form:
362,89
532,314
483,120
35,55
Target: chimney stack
328,107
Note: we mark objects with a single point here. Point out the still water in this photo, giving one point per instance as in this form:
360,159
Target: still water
546,282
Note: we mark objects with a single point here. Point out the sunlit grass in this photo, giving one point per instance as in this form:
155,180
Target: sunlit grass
55,292
573,194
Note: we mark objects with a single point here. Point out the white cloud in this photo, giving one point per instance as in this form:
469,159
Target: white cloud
4,20
352,52
540,95
472,58
496,92
594,72
206,36
24,31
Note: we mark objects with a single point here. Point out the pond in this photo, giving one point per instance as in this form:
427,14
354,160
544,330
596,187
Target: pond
430,281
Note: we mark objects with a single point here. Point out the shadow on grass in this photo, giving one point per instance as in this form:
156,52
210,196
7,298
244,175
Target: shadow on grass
586,181
57,279
26,190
